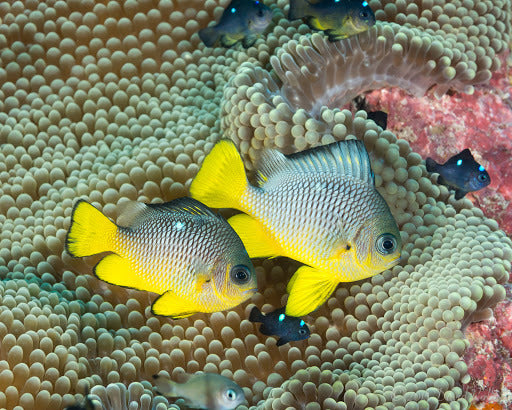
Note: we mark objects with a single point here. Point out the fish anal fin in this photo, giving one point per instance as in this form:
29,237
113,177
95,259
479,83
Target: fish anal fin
308,290
117,270
229,40
249,40
257,242
313,22
170,304
281,341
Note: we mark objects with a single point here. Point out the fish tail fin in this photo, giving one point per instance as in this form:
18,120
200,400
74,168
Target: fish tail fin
209,35
90,231
221,181
431,165
255,315
297,9
164,385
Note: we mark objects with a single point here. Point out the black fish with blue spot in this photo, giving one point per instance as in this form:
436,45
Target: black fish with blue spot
276,323
338,19
460,173
243,20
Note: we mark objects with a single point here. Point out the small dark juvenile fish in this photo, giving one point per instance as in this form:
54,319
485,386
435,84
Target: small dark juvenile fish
243,20
337,18
460,173
87,404
288,328
378,117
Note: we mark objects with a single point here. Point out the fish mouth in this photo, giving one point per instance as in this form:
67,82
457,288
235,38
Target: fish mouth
394,262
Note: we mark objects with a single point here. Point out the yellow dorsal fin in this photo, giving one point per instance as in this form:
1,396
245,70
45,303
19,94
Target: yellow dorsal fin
90,231
308,288
170,304
259,244
221,181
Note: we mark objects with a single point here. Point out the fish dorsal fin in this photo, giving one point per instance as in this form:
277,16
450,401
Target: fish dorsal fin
464,155
135,213
342,158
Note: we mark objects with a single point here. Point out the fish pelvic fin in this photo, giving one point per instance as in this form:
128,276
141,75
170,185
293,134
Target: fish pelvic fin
459,194
170,304
431,165
256,240
221,181
297,9
117,270
164,385
308,290
209,35
90,231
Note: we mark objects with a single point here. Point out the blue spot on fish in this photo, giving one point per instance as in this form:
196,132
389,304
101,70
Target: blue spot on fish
302,323
481,168
233,10
459,162
281,317
365,3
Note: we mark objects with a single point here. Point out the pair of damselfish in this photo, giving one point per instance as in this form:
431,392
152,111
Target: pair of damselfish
319,207
244,20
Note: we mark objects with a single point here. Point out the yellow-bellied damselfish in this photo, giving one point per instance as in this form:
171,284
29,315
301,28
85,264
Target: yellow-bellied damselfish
243,20
336,18
319,207
179,249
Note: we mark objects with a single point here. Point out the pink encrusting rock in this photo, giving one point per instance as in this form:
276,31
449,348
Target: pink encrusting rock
489,356
440,128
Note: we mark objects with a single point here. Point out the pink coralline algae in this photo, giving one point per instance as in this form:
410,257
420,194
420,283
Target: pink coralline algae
440,128
489,357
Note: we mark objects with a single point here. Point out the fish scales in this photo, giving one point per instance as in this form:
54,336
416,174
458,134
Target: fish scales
180,250
319,207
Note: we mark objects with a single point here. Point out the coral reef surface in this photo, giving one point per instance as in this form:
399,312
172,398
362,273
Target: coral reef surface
119,100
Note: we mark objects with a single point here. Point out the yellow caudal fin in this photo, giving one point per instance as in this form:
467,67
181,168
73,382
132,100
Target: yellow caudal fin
116,270
308,289
90,231
257,242
170,304
221,181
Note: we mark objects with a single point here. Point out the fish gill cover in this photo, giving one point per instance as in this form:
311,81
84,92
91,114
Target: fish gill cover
115,101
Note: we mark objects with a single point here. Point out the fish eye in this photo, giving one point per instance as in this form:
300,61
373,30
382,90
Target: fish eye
302,331
240,274
386,244
364,14
231,394
482,177
260,13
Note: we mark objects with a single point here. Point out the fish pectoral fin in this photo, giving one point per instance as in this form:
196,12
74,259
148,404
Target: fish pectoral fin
117,270
308,289
340,249
257,242
170,304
